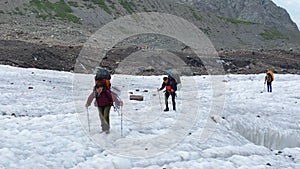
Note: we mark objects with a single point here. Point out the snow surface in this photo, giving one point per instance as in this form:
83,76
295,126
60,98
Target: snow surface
44,123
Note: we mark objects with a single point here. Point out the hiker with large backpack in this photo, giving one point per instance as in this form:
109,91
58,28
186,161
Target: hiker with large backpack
103,102
171,86
104,98
269,79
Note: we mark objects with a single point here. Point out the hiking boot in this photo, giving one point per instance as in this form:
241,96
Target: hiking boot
166,109
174,108
107,132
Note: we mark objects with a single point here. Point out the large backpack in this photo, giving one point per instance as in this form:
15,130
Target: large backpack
173,81
272,74
174,76
102,76
269,78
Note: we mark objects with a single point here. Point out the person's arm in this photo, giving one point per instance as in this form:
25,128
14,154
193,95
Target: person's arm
265,79
116,99
163,85
89,100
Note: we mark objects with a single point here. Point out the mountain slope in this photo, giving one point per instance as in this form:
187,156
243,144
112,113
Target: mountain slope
230,25
239,22
259,11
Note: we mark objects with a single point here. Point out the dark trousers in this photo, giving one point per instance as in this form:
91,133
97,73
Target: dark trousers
269,86
104,117
167,95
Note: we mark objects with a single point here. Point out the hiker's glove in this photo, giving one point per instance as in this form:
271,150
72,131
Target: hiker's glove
87,105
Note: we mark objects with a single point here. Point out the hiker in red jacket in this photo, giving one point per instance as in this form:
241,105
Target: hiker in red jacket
104,101
170,85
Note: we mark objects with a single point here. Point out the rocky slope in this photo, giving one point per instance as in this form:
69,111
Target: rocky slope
259,11
51,33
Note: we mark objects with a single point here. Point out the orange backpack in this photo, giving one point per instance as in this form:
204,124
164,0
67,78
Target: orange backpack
271,73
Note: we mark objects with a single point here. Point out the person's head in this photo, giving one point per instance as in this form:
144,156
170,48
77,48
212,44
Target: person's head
165,79
99,87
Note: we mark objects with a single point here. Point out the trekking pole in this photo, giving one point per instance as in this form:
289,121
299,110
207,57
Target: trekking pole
264,89
88,118
121,121
159,99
